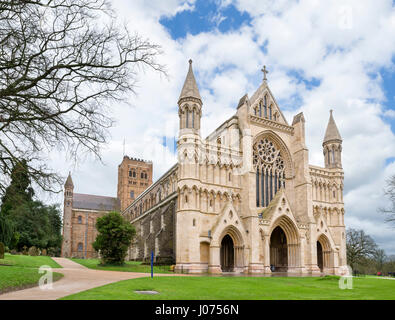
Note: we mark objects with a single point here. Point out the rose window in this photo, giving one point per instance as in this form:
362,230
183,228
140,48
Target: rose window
270,171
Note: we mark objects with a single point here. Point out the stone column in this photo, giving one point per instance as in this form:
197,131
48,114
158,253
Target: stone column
266,254
302,262
214,265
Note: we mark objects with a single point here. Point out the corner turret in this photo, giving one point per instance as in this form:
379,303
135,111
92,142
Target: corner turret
332,145
190,105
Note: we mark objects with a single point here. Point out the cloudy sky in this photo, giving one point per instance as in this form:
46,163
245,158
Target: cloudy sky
320,55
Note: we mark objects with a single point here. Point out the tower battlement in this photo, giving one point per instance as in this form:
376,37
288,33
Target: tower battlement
134,176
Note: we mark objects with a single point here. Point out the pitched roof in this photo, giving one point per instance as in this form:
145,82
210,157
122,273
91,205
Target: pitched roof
93,202
264,87
332,133
69,182
190,88
268,212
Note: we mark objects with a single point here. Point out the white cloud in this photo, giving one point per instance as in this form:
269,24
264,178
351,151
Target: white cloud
316,39
311,37
390,113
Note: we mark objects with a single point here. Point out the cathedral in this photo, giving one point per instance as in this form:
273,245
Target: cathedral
81,211
244,199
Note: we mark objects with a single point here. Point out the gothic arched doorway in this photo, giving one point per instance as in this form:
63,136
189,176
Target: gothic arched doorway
278,250
227,254
324,254
320,257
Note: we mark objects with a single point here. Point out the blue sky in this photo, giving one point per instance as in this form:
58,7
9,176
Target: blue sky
388,76
207,16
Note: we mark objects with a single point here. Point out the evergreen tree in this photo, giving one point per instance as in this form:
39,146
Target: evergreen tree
25,222
37,225
114,238
18,193
6,230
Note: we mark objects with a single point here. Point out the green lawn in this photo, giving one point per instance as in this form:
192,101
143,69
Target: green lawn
18,271
240,288
130,266
28,261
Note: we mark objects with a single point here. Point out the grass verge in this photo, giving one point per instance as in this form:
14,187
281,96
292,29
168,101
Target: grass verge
20,272
129,266
28,261
241,288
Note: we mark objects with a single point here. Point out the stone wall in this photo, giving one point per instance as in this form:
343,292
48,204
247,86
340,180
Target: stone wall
134,176
84,232
155,231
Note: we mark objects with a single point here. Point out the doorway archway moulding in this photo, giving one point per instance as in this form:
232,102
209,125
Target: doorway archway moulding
228,221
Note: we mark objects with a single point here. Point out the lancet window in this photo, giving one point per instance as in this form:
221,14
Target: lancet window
265,105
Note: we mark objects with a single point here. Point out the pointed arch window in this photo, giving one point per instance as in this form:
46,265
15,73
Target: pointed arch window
270,112
333,156
260,108
187,118
329,158
270,171
265,105
193,118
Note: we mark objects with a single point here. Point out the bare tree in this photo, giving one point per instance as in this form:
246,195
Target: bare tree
380,258
62,64
359,246
390,193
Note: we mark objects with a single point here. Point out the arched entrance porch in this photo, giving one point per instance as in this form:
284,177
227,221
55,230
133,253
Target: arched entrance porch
324,254
278,250
227,254
284,246
320,257
231,251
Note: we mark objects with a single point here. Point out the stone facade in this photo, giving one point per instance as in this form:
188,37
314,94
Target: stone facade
153,215
81,211
134,176
245,199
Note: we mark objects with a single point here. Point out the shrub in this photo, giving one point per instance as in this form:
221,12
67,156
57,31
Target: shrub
14,252
53,252
2,250
33,251
114,237
6,249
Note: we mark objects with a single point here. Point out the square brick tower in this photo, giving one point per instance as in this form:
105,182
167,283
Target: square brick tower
134,176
